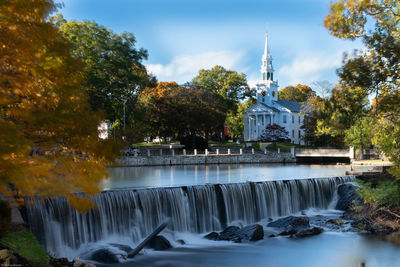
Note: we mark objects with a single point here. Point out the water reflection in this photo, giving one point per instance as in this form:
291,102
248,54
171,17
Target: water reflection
157,176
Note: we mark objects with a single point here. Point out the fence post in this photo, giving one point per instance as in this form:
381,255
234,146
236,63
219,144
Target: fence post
173,152
252,151
195,152
279,150
293,151
160,152
265,151
229,151
241,151
184,152
206,152
148,152
217,151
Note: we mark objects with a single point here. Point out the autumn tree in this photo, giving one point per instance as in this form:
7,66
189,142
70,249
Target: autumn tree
299,93
113,67
48,132
375,69
175,110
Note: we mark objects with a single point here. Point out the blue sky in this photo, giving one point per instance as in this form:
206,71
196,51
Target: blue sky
183,36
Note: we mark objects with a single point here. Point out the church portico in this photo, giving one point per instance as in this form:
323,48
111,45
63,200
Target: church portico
269,109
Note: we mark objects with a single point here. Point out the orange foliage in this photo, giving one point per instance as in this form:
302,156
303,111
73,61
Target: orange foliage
48,133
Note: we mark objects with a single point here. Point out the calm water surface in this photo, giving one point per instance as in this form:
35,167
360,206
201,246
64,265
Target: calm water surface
164,176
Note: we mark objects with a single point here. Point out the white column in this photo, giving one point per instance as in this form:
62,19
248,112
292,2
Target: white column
256,126
249,127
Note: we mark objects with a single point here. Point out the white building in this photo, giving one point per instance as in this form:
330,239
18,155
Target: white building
269,109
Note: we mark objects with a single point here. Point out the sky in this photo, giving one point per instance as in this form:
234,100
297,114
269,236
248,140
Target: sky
184,36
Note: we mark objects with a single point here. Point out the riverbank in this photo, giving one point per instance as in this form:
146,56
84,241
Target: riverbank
204,159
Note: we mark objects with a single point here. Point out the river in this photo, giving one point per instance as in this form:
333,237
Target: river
165,176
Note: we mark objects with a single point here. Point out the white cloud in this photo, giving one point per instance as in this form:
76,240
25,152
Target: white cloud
183,68
307,68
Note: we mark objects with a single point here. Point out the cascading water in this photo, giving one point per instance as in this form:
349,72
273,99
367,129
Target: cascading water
135,213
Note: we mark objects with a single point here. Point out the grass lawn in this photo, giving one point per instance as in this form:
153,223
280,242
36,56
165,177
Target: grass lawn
25,245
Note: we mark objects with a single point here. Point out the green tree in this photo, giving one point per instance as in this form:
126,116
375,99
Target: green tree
113,66
48,132
360,134
232,86
299,93
235,121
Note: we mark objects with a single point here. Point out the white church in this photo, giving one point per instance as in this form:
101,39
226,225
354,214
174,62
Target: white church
269,109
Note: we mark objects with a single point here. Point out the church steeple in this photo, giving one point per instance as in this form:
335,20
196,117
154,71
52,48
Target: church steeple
267,71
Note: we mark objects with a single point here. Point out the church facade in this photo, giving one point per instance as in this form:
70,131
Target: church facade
269,109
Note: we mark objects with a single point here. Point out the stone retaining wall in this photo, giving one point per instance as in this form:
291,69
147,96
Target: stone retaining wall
203,159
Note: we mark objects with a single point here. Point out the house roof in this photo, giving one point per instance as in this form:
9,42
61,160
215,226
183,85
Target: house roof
293,106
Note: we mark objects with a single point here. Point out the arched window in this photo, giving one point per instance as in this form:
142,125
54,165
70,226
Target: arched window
268,75
272,76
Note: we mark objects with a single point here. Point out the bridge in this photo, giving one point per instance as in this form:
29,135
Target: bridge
324,154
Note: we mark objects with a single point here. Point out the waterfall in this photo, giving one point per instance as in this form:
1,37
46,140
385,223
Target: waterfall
202,208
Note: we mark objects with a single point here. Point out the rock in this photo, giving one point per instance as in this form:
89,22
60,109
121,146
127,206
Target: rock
229,233
291,221
347,196
309,232
7,258
104,255
159,243
125,248
271,235
212,236
79,263
288,232
180,241
252,232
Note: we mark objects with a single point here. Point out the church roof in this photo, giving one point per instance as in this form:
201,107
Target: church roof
293,106
261,107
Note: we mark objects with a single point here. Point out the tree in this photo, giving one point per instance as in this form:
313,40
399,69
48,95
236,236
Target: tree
299,93
235,121
48,133
188,110
274,133
374,70
360,134
113,67
229,84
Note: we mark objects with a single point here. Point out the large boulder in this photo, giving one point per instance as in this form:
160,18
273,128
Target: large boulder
104,255
159,243
124,248
230,233
252,232
309,232
292,222
347,196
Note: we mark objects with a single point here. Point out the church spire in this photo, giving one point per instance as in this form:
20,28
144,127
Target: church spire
267,71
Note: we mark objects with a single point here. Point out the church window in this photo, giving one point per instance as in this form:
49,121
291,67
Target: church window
272,76
299,134
293,133
273,93
299,119
263,93
292,118
263,99
268,75
284,119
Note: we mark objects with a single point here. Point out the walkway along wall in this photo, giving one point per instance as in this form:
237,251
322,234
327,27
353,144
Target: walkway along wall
203,159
